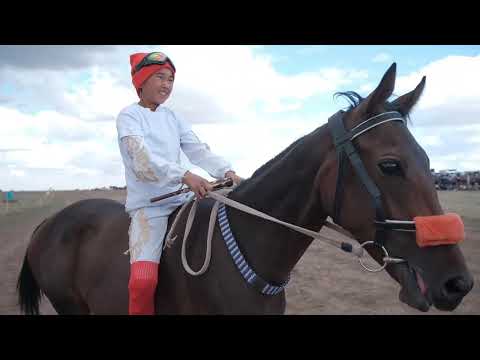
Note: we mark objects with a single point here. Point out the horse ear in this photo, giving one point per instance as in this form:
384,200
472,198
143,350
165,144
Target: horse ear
383,91
406,102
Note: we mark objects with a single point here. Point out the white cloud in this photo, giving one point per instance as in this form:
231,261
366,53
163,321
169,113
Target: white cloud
460,161
236,81
367,88
277,107
382,58
473,139
17,172
103,98
239,104
21,130
222,83
451,81
62,150
312,50
250,144
94,161
447,116
432,140
447,149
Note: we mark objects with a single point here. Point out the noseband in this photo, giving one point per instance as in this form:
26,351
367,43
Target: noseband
343,141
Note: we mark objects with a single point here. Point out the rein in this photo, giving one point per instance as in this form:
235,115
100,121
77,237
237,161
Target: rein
219,196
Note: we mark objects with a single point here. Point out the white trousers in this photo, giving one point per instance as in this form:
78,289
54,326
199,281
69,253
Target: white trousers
146,235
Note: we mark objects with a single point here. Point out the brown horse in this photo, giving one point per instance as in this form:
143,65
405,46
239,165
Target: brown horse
76,257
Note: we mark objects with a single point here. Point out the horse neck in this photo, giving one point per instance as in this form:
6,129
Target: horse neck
283,188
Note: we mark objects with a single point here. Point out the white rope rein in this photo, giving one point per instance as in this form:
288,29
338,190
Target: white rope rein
220,197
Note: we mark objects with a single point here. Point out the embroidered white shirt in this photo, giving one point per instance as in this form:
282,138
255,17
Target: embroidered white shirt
150,144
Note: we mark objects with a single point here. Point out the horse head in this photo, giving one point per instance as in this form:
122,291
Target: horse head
385,195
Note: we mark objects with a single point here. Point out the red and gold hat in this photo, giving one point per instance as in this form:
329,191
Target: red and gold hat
144,65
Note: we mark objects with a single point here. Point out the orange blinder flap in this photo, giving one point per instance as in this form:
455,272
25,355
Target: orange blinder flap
439,230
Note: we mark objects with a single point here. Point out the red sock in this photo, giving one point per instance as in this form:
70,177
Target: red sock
141,288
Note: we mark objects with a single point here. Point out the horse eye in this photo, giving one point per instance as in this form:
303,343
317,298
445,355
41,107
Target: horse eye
391,167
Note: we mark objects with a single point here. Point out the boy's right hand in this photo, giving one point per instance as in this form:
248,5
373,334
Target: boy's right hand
197,184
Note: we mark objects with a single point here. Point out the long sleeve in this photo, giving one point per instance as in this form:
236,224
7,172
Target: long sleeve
161,171
199,153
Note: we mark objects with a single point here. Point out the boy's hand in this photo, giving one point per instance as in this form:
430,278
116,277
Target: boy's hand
197,184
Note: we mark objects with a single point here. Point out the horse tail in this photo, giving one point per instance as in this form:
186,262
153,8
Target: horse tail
29,293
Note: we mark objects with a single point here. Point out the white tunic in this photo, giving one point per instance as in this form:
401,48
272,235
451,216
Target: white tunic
150,143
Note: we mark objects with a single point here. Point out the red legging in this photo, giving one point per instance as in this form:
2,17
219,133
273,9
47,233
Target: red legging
141,288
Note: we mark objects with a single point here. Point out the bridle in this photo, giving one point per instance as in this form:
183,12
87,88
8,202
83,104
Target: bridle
343,141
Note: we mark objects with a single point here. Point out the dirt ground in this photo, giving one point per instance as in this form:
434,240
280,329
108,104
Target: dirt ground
325,281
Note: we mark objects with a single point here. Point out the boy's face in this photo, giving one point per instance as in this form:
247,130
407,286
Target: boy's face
158,87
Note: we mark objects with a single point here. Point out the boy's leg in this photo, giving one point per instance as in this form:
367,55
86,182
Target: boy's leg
145,242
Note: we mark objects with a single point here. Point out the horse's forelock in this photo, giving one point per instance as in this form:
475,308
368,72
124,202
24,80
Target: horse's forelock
356,99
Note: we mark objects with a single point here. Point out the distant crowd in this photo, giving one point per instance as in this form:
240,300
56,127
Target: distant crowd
454,180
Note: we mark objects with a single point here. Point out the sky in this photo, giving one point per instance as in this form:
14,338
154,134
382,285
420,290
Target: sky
58,104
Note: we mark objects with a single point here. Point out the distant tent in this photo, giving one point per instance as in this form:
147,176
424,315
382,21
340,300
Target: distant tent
9,196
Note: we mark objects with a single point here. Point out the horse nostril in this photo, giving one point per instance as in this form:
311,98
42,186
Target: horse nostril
457,285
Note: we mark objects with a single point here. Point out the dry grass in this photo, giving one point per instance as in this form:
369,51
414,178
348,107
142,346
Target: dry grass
325,281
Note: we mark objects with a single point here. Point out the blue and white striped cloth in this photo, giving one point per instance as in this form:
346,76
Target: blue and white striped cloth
247,272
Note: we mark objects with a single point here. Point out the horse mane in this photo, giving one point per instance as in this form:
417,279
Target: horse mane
355,99
352,97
